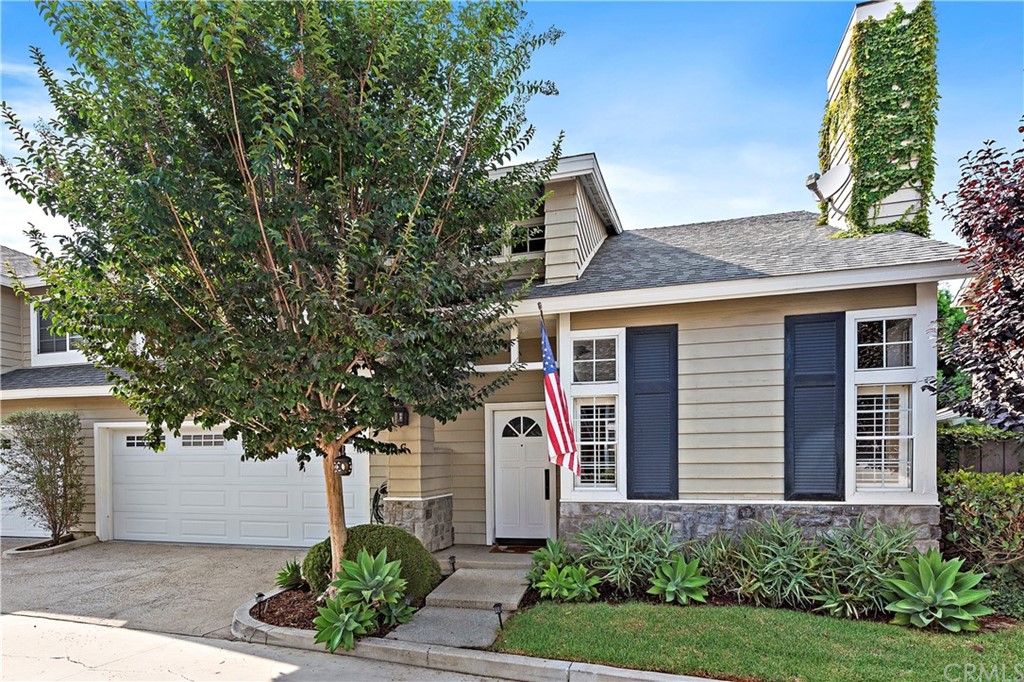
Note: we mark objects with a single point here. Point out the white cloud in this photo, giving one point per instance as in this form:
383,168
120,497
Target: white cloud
24,72
17,216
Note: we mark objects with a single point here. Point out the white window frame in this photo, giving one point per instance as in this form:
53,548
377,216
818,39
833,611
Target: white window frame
922,404
68,357
570,491
509,254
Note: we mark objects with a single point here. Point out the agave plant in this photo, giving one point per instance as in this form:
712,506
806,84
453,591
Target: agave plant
569,583
553,552
680,581
340,622
290,576
373,581
935,591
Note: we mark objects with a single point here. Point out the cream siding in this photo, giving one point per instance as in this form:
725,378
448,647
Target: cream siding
13,327
731,383
591,229
561,226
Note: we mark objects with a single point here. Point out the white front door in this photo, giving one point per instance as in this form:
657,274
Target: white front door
524,480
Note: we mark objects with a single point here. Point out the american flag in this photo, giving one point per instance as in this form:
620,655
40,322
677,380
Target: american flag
561,441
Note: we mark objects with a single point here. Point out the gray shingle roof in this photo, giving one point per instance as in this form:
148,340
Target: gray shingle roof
62,376
741,248
21,263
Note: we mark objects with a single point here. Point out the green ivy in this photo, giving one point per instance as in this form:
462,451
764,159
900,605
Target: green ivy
886,107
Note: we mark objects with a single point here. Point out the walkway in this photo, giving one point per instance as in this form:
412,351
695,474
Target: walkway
461,611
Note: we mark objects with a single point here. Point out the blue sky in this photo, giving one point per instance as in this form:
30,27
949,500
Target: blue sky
696,110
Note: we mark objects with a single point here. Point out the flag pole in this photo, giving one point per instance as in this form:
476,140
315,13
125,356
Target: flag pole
540,309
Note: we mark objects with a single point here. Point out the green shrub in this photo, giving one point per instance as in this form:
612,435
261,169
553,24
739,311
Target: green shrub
930,590
290,576
856,563
680,581
627,552
983,517
44,475
419,568
777,567
316,567
1007,585
553,552
568,583
339,623
717,555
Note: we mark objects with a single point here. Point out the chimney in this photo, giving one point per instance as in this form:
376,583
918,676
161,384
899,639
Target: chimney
878,133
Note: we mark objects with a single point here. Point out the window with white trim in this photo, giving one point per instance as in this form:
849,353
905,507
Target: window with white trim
596,370
50,347
883,411
885,437
596,438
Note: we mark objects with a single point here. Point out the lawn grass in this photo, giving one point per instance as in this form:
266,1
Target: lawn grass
745,643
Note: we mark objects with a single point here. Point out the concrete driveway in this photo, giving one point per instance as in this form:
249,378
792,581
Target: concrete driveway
177,589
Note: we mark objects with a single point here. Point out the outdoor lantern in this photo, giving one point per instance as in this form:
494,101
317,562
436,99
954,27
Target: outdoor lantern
342,464
497,610
451,560
400,417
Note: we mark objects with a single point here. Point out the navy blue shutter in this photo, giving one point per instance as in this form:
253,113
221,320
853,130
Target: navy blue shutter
652,413
814,418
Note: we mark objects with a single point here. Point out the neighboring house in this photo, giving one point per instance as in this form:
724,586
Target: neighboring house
717,372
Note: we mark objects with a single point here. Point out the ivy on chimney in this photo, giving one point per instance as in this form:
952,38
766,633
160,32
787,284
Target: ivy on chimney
887,104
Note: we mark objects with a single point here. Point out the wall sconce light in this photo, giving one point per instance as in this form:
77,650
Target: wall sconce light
400,416
342,464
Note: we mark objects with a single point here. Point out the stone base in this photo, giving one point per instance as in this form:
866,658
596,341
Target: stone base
696,521
429,520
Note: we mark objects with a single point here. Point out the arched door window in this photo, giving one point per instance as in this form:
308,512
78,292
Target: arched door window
521,427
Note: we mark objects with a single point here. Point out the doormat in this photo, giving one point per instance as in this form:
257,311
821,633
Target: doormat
514,549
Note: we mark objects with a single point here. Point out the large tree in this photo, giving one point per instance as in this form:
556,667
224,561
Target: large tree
987,210
283,215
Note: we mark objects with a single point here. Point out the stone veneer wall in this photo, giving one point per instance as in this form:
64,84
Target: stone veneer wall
698,521
429,520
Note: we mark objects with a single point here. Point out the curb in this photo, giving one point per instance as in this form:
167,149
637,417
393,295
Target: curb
26,551
446,658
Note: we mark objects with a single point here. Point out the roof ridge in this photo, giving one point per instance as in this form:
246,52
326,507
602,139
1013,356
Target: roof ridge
800,213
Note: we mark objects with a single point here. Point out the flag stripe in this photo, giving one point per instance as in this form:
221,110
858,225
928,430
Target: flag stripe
561,440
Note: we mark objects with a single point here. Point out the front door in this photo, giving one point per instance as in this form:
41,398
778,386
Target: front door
524,480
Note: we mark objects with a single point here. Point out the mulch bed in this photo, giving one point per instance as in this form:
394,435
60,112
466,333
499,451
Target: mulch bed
290,609
49,543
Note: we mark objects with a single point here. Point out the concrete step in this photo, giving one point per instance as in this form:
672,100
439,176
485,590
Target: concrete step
481,588
472,628
480,556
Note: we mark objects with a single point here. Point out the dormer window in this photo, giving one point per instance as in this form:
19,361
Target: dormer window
50,347
528,238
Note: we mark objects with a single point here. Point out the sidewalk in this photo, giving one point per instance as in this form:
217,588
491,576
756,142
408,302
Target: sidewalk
44,649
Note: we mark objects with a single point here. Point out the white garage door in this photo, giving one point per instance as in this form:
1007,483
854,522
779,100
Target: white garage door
198,490
14,525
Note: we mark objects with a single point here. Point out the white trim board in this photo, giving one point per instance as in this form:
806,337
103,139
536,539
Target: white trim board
744,288
55,392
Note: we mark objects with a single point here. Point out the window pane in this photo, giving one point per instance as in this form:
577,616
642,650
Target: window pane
596,438
898,355
604,349
583,371
583,350
885,437
604,370
897,330
49,343
869,357
869,332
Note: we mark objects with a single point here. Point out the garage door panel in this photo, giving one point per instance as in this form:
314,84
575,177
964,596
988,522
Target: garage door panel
208,495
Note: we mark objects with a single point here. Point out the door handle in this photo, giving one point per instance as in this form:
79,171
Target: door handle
547,484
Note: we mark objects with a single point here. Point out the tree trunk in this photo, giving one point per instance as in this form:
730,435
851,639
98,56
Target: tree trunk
335,506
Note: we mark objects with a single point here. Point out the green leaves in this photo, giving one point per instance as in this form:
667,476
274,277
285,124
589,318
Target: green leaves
290,576
931,590
680,581
290,203
569,583
886,111
627,551
339,624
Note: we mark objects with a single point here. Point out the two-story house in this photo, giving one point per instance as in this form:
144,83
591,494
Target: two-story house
716,372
